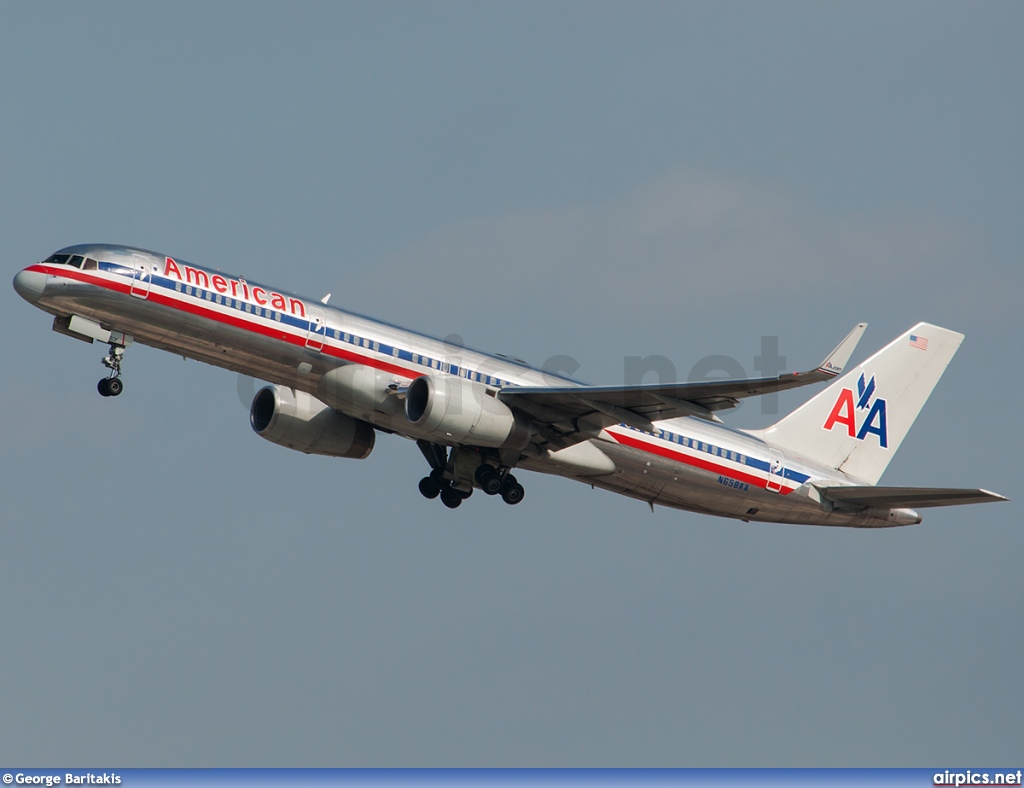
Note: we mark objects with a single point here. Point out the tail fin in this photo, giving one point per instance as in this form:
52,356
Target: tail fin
857,424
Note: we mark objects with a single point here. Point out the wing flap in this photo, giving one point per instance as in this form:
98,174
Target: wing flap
907,497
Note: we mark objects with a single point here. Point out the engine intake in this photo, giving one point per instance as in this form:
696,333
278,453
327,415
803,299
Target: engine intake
300,421
453,410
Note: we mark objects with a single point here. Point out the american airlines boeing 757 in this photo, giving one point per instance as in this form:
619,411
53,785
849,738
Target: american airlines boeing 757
337,378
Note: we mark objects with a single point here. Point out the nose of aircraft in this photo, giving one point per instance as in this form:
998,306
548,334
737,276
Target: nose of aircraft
30,285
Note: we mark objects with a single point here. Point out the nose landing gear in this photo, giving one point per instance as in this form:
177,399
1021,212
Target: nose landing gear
112,386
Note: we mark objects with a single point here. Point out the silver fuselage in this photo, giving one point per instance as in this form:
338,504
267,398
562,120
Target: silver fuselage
224,320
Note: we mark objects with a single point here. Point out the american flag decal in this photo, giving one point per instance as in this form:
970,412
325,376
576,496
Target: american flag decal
919,342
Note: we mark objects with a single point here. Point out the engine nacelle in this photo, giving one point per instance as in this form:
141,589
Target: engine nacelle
302,422
454,410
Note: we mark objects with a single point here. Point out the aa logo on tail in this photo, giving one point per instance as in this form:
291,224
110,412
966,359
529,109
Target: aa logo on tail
846,412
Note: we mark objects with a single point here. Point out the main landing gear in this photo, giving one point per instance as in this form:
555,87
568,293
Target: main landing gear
454,475
112,386
495,481
435,485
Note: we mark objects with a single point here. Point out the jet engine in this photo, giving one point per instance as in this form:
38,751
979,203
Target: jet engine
302,422
453,410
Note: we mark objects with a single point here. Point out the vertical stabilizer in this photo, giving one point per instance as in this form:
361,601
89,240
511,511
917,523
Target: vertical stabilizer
858,423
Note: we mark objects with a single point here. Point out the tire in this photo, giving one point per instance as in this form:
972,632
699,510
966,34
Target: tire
429,488
451,498
513,493
115,386
488,479
103,388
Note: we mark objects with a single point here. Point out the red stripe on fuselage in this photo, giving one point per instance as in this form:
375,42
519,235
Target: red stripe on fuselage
696,462
231,320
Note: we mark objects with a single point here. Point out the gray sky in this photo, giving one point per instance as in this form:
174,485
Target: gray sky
589,179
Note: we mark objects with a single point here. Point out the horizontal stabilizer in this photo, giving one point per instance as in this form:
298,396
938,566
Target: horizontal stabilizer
907,497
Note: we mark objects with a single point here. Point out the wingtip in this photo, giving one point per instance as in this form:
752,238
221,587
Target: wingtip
836,361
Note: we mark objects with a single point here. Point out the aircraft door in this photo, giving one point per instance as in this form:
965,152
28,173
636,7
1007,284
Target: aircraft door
316,334
142,277
776,470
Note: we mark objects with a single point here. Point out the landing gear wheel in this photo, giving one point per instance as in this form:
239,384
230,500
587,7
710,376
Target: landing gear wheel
115,386
488,479
103,387
451,498
429,488
512,493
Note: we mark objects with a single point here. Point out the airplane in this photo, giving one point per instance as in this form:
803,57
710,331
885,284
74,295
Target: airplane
338,378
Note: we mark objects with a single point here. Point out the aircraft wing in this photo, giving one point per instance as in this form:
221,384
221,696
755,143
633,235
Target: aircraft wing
907,497
642,404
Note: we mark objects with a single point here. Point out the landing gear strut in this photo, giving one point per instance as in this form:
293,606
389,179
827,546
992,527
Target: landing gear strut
112,386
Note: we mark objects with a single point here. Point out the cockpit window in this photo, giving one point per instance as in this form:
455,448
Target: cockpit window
76,260
90,264
58,259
